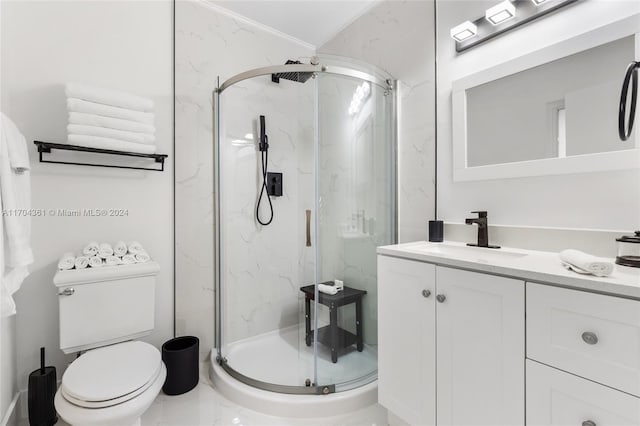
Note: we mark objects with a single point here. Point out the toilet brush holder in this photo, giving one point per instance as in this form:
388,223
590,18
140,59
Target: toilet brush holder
42,389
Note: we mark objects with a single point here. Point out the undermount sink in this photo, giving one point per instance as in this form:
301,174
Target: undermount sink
479,254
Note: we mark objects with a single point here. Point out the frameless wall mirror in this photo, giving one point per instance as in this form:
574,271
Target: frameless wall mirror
553,111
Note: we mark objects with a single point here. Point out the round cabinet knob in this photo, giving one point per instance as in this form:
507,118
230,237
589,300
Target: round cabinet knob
441,298
426,293
588,423
589,338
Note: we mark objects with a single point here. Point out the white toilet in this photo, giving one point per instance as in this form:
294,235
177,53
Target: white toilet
102,311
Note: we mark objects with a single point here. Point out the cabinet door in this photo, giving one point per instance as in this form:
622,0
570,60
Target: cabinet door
556,398
406,339
481,349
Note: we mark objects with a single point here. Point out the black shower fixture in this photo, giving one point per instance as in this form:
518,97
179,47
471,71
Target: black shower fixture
299,77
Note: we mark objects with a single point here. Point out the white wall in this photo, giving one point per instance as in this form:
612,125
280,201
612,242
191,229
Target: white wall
589,201
398,37
8,371
123,45
211,44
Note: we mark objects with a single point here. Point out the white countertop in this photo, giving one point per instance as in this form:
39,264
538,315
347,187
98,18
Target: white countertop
528,265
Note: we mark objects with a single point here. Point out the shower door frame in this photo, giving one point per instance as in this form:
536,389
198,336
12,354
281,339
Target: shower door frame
390,87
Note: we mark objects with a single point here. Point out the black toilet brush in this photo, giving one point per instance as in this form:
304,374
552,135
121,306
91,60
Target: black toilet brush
42,389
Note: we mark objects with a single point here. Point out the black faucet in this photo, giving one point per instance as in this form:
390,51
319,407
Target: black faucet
483,230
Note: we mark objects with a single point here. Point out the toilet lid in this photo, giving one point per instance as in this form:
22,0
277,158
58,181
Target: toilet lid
112,374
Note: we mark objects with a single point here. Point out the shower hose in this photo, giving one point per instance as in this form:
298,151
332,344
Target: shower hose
265,158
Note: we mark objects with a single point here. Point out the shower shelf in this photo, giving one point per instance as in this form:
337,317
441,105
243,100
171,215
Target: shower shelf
46,147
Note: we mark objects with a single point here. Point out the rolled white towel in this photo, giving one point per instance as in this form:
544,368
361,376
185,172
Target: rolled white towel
587,263
128,259
105,250
328,289
91,249
108,97
120,249
111,123
88,107
67,261
112,261
134,247
105,132
81,262
110,143
95,261
142,257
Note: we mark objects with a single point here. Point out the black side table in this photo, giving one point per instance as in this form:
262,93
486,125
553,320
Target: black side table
331,335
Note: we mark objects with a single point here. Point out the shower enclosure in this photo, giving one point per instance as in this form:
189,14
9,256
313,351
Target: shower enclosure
331,128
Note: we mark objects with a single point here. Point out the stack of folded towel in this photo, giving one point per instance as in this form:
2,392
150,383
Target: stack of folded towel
107,119
95,255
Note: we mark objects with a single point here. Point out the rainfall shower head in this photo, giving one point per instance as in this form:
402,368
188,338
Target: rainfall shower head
299,77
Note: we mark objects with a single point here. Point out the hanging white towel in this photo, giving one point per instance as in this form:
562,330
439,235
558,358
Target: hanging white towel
105,132
79,105
108,97
120,248
15,196
95,261
67,261
91,249
112,123
108,143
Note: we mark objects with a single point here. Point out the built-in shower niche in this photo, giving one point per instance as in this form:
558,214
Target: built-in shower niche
332,138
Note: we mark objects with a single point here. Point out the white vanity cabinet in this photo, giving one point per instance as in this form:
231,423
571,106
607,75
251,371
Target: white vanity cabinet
452,343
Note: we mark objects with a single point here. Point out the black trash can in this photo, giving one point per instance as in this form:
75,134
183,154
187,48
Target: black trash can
180,356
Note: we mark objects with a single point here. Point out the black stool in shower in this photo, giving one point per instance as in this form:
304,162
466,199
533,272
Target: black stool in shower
331,335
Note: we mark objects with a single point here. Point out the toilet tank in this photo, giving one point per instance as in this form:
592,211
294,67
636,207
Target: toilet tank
106,305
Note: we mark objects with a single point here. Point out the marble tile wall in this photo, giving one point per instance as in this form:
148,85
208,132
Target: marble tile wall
209,44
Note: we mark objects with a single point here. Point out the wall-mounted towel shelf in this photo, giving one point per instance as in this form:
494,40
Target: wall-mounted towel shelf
46,147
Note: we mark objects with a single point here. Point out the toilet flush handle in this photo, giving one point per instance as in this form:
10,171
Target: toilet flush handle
67,292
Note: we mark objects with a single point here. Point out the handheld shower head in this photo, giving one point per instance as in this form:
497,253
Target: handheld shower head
264,140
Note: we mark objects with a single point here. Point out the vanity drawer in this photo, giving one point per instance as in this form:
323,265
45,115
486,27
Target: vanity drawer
560,399
594,336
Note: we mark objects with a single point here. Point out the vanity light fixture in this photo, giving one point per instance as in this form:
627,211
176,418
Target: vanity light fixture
503,17
500,13
464,31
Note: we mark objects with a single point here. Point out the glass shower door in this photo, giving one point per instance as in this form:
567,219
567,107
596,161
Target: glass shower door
357,213
264,267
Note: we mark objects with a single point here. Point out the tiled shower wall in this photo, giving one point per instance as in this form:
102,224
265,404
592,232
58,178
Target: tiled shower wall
209,44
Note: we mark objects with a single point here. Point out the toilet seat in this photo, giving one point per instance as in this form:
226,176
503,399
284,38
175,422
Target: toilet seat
111,375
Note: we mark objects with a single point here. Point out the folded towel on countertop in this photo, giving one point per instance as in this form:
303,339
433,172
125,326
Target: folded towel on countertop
105,132
80,105
135,247
95,261
587,263
328,289
108,97
128,259
67,261
91,249
81,262
112,261
120,248
109,143
105,250
142,257
111,123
